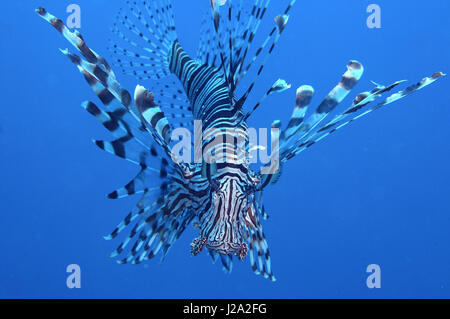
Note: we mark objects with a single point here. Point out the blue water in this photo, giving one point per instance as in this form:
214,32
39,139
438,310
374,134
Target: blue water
374,193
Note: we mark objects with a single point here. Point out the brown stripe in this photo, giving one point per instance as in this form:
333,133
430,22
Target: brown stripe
348,82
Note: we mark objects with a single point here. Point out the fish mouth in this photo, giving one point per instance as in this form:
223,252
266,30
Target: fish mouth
224,247
221,247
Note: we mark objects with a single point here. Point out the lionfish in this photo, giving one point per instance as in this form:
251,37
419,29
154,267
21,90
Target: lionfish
223,200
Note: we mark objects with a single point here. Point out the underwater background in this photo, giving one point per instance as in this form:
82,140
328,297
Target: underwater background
376,192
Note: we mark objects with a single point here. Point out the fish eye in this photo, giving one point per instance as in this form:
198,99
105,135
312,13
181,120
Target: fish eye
214,184
249,189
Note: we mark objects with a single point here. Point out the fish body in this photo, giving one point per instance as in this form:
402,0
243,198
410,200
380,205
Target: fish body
221,195
214,105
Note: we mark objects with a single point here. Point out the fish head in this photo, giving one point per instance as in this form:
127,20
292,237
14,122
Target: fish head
223,227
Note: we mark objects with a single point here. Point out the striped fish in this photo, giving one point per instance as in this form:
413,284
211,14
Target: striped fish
221,196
